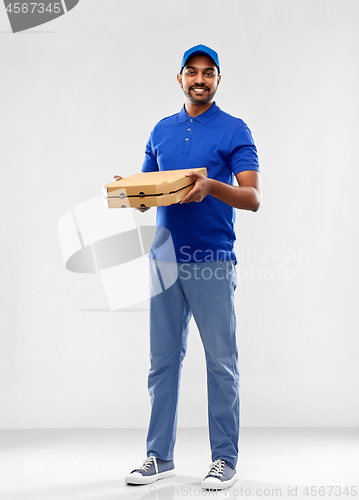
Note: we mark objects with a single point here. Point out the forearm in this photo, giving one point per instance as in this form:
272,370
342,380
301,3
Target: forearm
242,197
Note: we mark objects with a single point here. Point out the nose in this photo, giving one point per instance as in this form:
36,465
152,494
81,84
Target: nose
199,79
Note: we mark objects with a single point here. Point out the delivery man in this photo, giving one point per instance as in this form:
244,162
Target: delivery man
202,230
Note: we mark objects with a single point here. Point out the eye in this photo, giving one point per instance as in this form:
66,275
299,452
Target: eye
210,74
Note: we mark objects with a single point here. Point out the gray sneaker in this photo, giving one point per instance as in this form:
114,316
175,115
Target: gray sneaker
220,476
152,470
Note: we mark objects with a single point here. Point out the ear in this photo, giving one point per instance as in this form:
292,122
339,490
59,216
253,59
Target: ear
219,79
179,79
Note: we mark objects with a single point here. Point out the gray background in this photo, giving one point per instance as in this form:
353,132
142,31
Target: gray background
78,99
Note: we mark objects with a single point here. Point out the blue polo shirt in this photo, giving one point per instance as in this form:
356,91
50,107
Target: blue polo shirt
201,231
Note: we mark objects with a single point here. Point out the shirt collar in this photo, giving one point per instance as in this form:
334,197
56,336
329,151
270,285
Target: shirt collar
205,117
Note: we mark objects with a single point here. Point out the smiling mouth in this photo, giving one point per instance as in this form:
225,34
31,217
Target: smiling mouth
199,90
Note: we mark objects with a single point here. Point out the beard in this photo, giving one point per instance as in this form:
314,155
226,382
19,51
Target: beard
200,101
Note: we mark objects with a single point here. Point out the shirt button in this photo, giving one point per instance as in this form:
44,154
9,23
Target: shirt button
186,139
188,130
191,120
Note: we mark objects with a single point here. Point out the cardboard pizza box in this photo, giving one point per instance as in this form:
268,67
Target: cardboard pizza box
150,189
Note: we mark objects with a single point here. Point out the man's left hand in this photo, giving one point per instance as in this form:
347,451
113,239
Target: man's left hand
200,190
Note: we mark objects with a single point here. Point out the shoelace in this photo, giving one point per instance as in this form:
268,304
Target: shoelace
217,468
148,462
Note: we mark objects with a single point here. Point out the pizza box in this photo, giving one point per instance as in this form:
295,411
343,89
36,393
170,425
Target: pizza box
150,189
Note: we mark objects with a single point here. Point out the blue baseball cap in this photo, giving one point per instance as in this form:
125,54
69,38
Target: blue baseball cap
200,50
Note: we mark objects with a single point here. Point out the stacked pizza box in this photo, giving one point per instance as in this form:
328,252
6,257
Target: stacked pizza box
150,189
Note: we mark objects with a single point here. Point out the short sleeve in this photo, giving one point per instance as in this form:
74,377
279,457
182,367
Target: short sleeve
150,162
243,152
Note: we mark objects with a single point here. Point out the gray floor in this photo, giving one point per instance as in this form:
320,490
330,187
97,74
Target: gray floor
91,464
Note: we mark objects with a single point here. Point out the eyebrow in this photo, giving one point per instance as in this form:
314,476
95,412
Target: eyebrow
206,69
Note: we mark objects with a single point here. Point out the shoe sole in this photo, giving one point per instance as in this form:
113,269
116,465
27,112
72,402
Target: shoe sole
215,485
149,479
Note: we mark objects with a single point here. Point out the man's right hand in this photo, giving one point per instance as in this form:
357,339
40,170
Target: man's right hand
144,209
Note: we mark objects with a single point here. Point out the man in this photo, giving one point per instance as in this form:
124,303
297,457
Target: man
202,230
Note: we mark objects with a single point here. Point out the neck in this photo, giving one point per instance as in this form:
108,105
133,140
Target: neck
196,109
